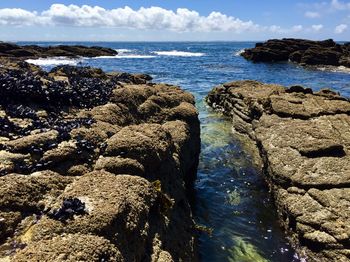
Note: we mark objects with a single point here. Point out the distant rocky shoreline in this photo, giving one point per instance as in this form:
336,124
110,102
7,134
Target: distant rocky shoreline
35,51
302,141
95,166
304,52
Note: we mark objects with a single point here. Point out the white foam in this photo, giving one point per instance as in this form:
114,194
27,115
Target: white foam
53,61
123,50
336,69
239,52
132,56
177,53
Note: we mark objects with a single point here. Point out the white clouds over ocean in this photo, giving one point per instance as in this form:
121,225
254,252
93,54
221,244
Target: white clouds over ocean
181,20
126,23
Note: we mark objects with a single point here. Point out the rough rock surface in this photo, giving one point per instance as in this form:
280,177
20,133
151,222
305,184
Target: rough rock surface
95,166
303,139
34,51
305,52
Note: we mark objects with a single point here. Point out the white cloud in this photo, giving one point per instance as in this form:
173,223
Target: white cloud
16,16
317,28
311,14
337,5
181,20
340,28
276,29
297,28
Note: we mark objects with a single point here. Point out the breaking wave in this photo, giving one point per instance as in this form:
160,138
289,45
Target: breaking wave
53,61
177,53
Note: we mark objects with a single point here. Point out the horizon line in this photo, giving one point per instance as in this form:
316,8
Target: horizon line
160,41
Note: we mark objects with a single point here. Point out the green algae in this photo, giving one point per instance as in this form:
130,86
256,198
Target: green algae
234,198
244,251
216,134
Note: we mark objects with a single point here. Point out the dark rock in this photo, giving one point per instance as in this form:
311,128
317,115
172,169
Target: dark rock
299,89
13,50
130,78
305,52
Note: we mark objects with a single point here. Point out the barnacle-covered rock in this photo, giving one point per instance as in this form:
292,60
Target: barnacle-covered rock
92,163
71,248
303,140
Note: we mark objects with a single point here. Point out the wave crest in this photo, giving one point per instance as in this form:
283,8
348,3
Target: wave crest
177,53
132,56
53,61
239,52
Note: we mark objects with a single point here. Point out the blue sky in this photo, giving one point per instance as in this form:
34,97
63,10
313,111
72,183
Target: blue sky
167,20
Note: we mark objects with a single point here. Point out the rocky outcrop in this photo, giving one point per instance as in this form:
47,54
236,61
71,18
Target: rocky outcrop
95,166
34,51
303,140
304,52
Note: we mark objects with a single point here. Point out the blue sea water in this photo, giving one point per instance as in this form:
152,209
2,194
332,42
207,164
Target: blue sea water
231,196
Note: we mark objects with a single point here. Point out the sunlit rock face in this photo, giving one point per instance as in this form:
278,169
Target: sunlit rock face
303,140
95,166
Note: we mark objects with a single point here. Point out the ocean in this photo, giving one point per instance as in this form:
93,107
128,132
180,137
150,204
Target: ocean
231,198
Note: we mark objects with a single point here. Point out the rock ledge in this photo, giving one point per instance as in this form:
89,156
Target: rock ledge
95,166
303,140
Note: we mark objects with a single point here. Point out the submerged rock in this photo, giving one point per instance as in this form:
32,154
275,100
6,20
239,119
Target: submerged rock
305,52
95,166
303,140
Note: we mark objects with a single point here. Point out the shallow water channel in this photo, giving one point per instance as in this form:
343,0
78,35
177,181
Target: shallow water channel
233,202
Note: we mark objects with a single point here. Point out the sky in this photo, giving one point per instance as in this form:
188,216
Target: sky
173,20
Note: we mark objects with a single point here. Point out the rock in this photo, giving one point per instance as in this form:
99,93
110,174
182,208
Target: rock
71,247
12,50
303,140
37,140
149,144
117,208
130,78
24,192
103,163
8,223
64,151
11,162
304,52
23,195
118,165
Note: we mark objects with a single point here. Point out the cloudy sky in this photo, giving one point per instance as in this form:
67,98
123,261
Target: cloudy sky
168,20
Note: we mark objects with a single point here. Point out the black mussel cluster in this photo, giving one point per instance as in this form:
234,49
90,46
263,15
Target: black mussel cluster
24,93
69,208
89,92
84,145
19,86
8,128
63,126
20,111
78,71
